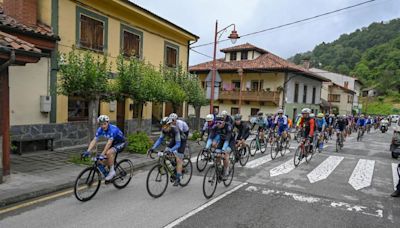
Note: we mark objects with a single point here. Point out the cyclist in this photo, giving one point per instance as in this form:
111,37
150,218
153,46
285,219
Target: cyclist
261,123
226,142
182,125
227,117
243,130
176,145
290,122
341,124
308,124
208,125
115,144
361,124
281,122
369,122
321,125
270,121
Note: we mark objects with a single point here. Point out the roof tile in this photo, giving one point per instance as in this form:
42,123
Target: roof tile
10,41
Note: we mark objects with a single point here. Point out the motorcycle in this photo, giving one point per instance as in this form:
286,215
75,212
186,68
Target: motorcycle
384,127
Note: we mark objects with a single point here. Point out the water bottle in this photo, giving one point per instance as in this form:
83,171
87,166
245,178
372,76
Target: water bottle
103,169
169,164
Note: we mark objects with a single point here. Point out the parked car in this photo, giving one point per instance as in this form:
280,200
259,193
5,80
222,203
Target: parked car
395,118
395,145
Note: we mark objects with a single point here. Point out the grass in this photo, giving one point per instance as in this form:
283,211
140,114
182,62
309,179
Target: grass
381,105
76,159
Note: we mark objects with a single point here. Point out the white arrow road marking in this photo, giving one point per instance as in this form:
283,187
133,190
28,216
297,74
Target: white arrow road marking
376,212
395,175
323,170
284,168
362,174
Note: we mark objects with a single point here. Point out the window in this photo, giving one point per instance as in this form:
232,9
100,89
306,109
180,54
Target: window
305,94
236,84
243,55
296,93
253,111
334,97
233,56
171,55
234,111
77,109
314,90
131,41
255,85
91,30
203,84
350,99
294,113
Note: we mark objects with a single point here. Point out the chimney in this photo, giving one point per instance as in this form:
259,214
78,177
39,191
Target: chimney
24,11
306,63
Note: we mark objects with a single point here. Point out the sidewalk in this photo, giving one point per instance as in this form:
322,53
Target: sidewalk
42,172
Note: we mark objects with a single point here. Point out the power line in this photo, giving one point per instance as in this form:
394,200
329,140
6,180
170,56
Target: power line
292,23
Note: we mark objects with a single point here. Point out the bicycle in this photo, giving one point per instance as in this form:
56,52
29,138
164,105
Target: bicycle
280,144
214,175
339,141
89,180
203,158
298,135
303,150
258,144
360,133
319,138
166,169
241,154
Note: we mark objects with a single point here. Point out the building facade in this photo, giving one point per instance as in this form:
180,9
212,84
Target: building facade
110,27
339,99
265,80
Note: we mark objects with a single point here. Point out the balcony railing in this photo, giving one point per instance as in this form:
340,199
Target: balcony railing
260,96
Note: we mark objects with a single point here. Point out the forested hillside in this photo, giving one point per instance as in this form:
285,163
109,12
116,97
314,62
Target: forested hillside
372,54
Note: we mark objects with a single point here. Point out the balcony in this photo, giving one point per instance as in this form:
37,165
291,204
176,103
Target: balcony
258,96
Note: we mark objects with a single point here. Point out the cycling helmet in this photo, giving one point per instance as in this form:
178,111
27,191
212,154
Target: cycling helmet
280,111
238,117
173,116
320,115
344,116
219,118
103,119
224,113
305,111
312,115
209,117
260,113
166,120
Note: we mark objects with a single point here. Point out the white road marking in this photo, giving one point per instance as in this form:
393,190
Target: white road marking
316,200
395,175
284,168
257,162
362,174
323,170
204,206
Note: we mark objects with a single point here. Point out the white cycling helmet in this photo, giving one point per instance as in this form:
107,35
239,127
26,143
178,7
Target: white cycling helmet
305,111
173,116
312,115
210,117
103,119
224,113
280,111
166,120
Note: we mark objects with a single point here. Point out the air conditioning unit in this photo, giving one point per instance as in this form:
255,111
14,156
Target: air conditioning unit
45,104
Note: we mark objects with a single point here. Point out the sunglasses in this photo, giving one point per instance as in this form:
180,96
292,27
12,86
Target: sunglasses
219,122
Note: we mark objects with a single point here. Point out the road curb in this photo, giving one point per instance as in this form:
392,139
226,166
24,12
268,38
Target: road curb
45,191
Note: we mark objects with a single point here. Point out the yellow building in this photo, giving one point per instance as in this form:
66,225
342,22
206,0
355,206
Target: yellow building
340,99
108,27
266,83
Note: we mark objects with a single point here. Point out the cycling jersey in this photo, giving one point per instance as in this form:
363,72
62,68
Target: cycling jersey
228,119
244,131
177,143
183,127
261,123
309,125
113,133
361,122
330,121
321,123
369,121
226,137
341,124
207,128
270,123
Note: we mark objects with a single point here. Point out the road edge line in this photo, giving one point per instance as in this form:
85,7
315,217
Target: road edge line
204,206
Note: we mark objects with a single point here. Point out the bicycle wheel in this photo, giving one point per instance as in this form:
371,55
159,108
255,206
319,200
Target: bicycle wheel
202,160
231,173
253,147
309,154
244,155
263,145
187,170
124,173
157,181
297,156
359,135
274,149
285,146
87,184
319,145
298,137
337,144
210,181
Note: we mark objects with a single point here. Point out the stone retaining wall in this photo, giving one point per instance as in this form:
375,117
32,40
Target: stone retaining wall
131,126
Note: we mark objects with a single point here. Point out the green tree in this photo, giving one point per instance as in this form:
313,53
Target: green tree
85,75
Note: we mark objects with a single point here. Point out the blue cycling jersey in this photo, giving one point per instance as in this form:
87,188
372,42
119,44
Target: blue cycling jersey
361,122
320,123
112,133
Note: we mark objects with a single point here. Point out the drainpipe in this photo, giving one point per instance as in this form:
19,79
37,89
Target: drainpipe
5,108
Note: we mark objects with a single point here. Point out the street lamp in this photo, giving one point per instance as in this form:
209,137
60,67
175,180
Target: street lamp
233,37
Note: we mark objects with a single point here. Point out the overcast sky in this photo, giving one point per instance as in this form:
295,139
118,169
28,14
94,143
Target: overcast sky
198,17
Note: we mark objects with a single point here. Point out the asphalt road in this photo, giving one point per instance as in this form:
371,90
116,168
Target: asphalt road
350,188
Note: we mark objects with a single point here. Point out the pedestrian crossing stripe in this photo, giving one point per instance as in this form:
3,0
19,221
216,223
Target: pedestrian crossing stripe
323,170
362,174
395,175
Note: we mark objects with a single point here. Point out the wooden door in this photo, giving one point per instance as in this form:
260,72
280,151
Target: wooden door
121,115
